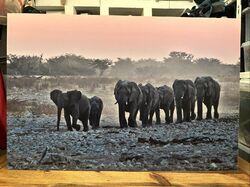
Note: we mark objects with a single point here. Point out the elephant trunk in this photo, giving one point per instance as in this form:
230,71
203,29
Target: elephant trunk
199,107
59,110
179,110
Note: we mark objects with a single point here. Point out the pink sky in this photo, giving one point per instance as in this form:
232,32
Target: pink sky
123,36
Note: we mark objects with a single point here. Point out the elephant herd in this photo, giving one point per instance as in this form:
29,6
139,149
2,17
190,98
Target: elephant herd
77,106
146,99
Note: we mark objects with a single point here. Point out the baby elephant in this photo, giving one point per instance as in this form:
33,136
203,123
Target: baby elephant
166,103
75,105
96,106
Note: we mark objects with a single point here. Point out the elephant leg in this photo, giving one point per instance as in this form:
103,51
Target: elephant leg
172,112
68,120
132,119
184,109
140,117
59,111
187,110
98,121
144,116
193,115
180,111
199,109
132,122
209,115
216,114
167,118
157,114
84,119
132,116
74,124
151,114
85,125
75,117
209,107
179,115
91,123
122,119
144,123
136,116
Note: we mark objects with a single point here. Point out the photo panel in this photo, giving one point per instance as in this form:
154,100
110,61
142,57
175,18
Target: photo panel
122,93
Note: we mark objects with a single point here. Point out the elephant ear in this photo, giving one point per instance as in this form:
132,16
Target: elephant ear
175,82
196,80
185,84
117,87
146,90
134,91
186,87
54,95
74,97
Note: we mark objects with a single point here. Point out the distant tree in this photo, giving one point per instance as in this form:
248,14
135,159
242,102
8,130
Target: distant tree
24,65
181,57
123,62
178,63
101,65
147,61
148,67
70,64
207,61
123,67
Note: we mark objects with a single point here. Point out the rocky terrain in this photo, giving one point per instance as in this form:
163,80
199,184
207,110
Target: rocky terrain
34,143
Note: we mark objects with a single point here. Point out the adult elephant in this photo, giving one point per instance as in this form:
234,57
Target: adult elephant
184,92
75,105
150,104
208,92
95,111
129,97
167,102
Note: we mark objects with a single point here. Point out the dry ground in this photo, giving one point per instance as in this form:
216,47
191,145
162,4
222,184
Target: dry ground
34,143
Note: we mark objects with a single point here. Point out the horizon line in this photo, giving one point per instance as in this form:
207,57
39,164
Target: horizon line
115,59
